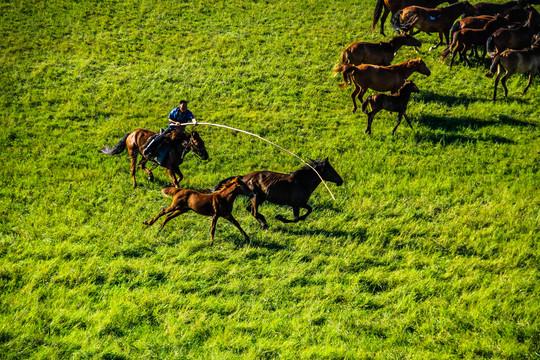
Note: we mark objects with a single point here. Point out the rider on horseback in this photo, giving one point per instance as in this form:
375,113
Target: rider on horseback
177,116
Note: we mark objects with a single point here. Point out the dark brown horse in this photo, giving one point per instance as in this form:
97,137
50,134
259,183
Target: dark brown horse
392,6
469,39
516,61
292,189
217,204
485,8
393,103
431,20
515,38
382,53
471,22
179,144
379,78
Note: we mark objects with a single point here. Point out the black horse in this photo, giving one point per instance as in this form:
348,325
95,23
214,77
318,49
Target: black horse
292,189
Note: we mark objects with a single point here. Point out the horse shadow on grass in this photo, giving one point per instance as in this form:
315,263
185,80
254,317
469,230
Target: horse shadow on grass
358,234
450,100
452,125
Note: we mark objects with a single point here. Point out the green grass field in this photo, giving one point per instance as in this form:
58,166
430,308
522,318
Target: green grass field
430,250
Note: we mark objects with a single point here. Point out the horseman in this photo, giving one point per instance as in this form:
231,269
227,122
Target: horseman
177,116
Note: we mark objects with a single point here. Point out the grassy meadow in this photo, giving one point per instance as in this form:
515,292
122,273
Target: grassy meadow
430,250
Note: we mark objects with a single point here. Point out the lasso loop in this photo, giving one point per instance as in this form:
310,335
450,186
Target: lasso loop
268,141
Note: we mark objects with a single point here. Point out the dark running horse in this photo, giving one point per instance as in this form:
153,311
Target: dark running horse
516,61
393,103
382,53
431,20
379,78
292,189
179,142
485,8
217,204
514,38
469,39
393,6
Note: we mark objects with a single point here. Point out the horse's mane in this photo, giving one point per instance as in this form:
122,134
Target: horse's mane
307,169
223,183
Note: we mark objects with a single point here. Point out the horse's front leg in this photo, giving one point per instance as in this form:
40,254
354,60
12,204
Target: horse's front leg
408,120
253,209
142,166
383,19
296,213
370,118
440,41
398,122
172,175
213,228
309,210
233,221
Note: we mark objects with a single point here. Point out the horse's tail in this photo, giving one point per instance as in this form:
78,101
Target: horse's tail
346,70
377,12
344,60
395,20
366,103
490,47
494,65
170,191
454,28
399,26
116,149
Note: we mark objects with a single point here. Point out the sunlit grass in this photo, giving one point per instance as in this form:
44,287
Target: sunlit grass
429,251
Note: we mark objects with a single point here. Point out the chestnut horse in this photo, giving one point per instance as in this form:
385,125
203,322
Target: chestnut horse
292,189
382,53
392,6
467,39
516,61
514,38
431,20
394,103
179,143
379,78
217,204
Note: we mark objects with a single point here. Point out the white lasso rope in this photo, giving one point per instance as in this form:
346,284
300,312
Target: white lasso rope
268,141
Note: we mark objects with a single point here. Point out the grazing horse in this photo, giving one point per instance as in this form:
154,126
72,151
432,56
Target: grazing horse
514,38
394,103
392,6
179,142
292,189
381,53
431,20
516,61
467,39
217,204
379,78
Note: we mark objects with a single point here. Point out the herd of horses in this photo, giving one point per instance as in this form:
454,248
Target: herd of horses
508,32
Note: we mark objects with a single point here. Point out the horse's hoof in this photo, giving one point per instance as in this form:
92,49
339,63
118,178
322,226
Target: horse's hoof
145,222
353,111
